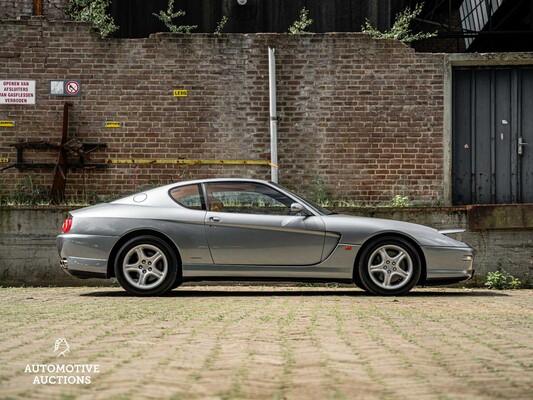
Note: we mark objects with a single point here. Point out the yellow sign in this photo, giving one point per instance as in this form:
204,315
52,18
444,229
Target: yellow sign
180,93
4,160
113,124
142,161
7,123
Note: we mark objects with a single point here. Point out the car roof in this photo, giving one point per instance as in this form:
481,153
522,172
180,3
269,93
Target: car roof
211,180
161,199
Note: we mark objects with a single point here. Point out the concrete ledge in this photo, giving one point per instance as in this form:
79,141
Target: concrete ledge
507,216
503,239
436,217
28,254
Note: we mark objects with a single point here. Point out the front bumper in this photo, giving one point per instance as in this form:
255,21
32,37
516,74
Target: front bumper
448,264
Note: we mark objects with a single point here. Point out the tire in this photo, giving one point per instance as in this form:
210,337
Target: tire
389,266
178,282
146,266
357,281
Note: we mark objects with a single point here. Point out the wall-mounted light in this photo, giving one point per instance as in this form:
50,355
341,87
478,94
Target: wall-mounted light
242,2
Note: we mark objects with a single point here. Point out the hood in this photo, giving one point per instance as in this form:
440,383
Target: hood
356,230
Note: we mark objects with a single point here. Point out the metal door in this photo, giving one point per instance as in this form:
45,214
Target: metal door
492,160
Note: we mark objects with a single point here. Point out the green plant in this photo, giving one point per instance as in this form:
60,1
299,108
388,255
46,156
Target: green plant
400,201
28,193
320,192
526,283
501,280
298,27
167,18
220,26
400,29
438,202
93,11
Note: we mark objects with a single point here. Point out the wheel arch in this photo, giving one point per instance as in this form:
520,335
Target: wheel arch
131,235
399,235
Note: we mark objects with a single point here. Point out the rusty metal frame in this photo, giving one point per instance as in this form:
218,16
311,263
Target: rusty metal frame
179,161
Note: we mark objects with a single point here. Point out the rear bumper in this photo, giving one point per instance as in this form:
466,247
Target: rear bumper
82,273
84,267
85,256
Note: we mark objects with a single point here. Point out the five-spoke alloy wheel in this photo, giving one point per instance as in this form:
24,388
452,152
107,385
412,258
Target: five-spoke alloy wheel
389,266
146,265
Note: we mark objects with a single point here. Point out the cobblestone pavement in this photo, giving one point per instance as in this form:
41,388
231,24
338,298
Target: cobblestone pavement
267,342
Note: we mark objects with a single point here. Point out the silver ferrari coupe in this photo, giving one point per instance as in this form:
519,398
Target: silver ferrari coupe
248,229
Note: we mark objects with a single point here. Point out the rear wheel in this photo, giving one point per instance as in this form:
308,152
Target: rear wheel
146,266
389,266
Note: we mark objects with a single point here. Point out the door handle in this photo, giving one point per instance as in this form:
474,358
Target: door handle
520,144
214,219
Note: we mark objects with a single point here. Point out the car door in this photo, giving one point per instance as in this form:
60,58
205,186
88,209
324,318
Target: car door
185,224
249,223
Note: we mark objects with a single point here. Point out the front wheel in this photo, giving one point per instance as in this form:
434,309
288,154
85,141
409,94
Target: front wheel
146,266
389,266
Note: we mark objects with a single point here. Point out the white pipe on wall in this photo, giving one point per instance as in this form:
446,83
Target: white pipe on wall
273,115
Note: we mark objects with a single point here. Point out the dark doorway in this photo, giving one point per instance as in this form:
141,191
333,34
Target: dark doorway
492,159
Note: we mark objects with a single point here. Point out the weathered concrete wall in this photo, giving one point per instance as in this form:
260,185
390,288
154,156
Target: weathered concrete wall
436,217
28,254
504,244
511,250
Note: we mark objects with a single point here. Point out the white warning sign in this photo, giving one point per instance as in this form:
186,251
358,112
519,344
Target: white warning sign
72,87
65,88
17,92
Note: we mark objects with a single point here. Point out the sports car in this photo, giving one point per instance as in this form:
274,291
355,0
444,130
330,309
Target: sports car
249,229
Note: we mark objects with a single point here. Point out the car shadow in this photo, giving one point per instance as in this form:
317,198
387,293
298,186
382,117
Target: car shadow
186,292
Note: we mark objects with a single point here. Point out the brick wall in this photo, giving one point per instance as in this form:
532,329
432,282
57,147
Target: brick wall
15,9
12,9
363,115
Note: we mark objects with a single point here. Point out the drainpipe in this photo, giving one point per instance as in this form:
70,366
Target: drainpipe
273,116
38,7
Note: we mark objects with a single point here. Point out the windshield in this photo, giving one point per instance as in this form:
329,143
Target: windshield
309,203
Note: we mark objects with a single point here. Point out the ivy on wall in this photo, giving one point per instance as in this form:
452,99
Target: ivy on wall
93,11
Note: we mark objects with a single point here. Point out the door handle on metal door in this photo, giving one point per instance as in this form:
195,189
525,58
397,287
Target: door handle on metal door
214,219
520,144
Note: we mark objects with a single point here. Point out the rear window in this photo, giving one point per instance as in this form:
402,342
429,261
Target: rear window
187,196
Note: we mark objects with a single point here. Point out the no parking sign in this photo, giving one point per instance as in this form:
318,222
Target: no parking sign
65,88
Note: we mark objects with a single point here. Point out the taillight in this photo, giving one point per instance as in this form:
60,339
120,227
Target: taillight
66,225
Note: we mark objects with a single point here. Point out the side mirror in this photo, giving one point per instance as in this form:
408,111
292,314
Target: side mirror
297,208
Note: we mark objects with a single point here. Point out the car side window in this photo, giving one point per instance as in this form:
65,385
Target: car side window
246,198
187,196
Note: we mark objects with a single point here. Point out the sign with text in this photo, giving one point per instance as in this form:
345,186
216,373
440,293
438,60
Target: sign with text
113,124
180,93
17,92
65,88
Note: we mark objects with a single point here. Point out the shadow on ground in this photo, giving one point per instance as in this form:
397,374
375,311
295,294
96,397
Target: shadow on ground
185,292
